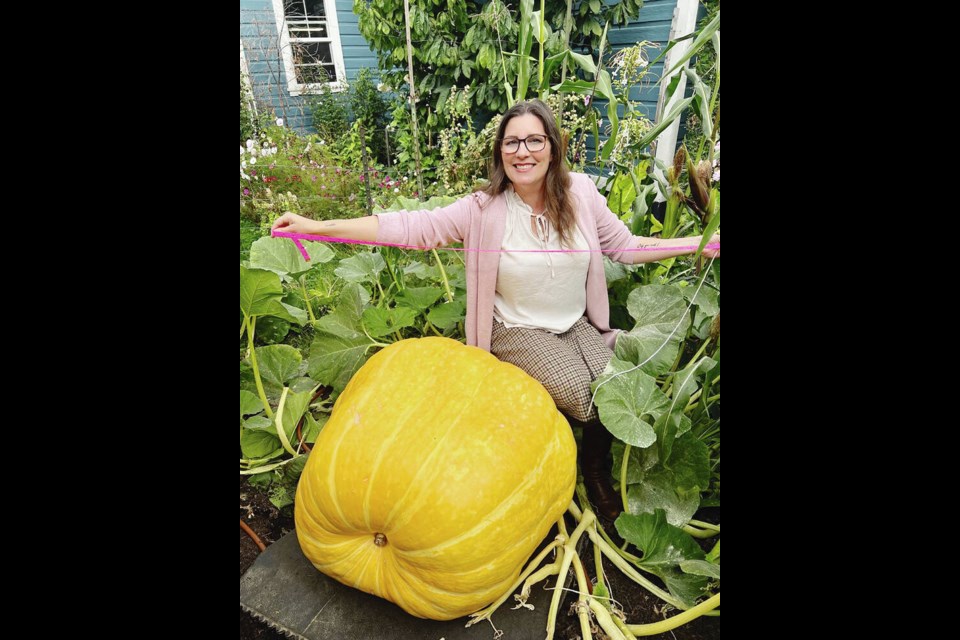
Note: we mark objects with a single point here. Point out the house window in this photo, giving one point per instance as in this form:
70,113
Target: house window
310,42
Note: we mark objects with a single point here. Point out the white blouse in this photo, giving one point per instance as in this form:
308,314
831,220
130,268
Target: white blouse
539,290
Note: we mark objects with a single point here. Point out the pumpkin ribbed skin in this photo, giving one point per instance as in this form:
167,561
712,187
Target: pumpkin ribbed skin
460,461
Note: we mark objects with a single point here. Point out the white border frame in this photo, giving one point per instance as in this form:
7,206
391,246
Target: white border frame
333,27
684,22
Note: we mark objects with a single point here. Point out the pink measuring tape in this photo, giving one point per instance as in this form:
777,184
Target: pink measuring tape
297,237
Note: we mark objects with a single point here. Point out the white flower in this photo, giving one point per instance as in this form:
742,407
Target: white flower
241,149
243,164
250,144
253,160
396,190
716,175
279,122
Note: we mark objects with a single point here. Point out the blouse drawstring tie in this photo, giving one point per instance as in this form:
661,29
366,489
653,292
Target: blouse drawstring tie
543,230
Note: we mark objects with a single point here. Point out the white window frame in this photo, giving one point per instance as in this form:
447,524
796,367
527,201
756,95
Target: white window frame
286,48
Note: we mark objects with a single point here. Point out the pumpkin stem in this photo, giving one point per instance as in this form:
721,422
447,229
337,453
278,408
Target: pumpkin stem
380,540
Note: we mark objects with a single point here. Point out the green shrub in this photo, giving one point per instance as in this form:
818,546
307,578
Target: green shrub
329,109
283,171
370,109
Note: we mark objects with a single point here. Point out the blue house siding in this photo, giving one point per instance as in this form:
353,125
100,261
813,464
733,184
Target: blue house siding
268,78
258,32
652,25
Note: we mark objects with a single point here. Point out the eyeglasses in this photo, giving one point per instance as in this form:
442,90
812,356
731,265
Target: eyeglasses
532,143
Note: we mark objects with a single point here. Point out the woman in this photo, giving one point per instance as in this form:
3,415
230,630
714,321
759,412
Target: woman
545,312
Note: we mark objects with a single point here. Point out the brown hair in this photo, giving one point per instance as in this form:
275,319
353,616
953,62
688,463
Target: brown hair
559,207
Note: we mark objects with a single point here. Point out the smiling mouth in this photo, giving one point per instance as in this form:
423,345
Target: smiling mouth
524,166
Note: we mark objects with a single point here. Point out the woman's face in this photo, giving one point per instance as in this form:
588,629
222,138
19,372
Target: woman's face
525,168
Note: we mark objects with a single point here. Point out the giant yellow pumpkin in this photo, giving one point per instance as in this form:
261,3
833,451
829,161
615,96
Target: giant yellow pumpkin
438,473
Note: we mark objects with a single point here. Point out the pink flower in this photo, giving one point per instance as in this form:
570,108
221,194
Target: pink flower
246,192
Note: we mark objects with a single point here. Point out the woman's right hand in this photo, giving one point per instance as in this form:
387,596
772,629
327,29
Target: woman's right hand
293,223
713,253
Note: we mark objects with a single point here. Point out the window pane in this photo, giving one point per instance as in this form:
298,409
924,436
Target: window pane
310,74
293,8
301,8
312,60
316,73
314,52
316,8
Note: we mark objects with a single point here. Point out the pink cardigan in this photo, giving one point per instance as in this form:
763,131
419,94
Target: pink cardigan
481,227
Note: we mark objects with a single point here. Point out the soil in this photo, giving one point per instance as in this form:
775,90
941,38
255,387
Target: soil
271,524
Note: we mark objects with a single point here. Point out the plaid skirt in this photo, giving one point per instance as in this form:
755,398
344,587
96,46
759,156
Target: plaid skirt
565,363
